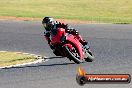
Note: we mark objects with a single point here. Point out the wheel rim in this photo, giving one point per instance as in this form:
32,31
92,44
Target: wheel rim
74,52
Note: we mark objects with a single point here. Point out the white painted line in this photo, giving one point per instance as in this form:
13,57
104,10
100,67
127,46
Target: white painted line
39,58
3,51
24,64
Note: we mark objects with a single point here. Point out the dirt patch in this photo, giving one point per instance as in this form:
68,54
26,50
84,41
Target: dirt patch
39,19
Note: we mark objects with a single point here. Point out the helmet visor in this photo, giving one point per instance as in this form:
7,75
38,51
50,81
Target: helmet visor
44,25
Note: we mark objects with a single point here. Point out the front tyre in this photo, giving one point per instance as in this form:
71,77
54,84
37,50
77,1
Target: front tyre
73,55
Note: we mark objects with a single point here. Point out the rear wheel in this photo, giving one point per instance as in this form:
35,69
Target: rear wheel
90,56
73,54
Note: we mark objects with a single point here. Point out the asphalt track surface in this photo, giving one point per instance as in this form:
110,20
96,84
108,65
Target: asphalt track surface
111,45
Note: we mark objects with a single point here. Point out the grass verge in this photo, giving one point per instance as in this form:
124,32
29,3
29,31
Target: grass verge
109,11
13,58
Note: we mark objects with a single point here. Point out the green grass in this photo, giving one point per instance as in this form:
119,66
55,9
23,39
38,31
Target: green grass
13,58
113,11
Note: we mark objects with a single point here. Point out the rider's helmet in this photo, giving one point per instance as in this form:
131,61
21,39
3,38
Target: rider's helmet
48,23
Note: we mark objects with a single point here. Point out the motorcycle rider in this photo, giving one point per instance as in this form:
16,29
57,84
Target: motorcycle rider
51,27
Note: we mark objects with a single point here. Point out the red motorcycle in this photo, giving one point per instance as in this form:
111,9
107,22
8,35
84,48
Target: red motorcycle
67,45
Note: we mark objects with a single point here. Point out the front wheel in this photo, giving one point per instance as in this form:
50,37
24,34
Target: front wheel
73,54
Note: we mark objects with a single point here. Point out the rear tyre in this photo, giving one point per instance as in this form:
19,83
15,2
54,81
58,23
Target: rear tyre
90,56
